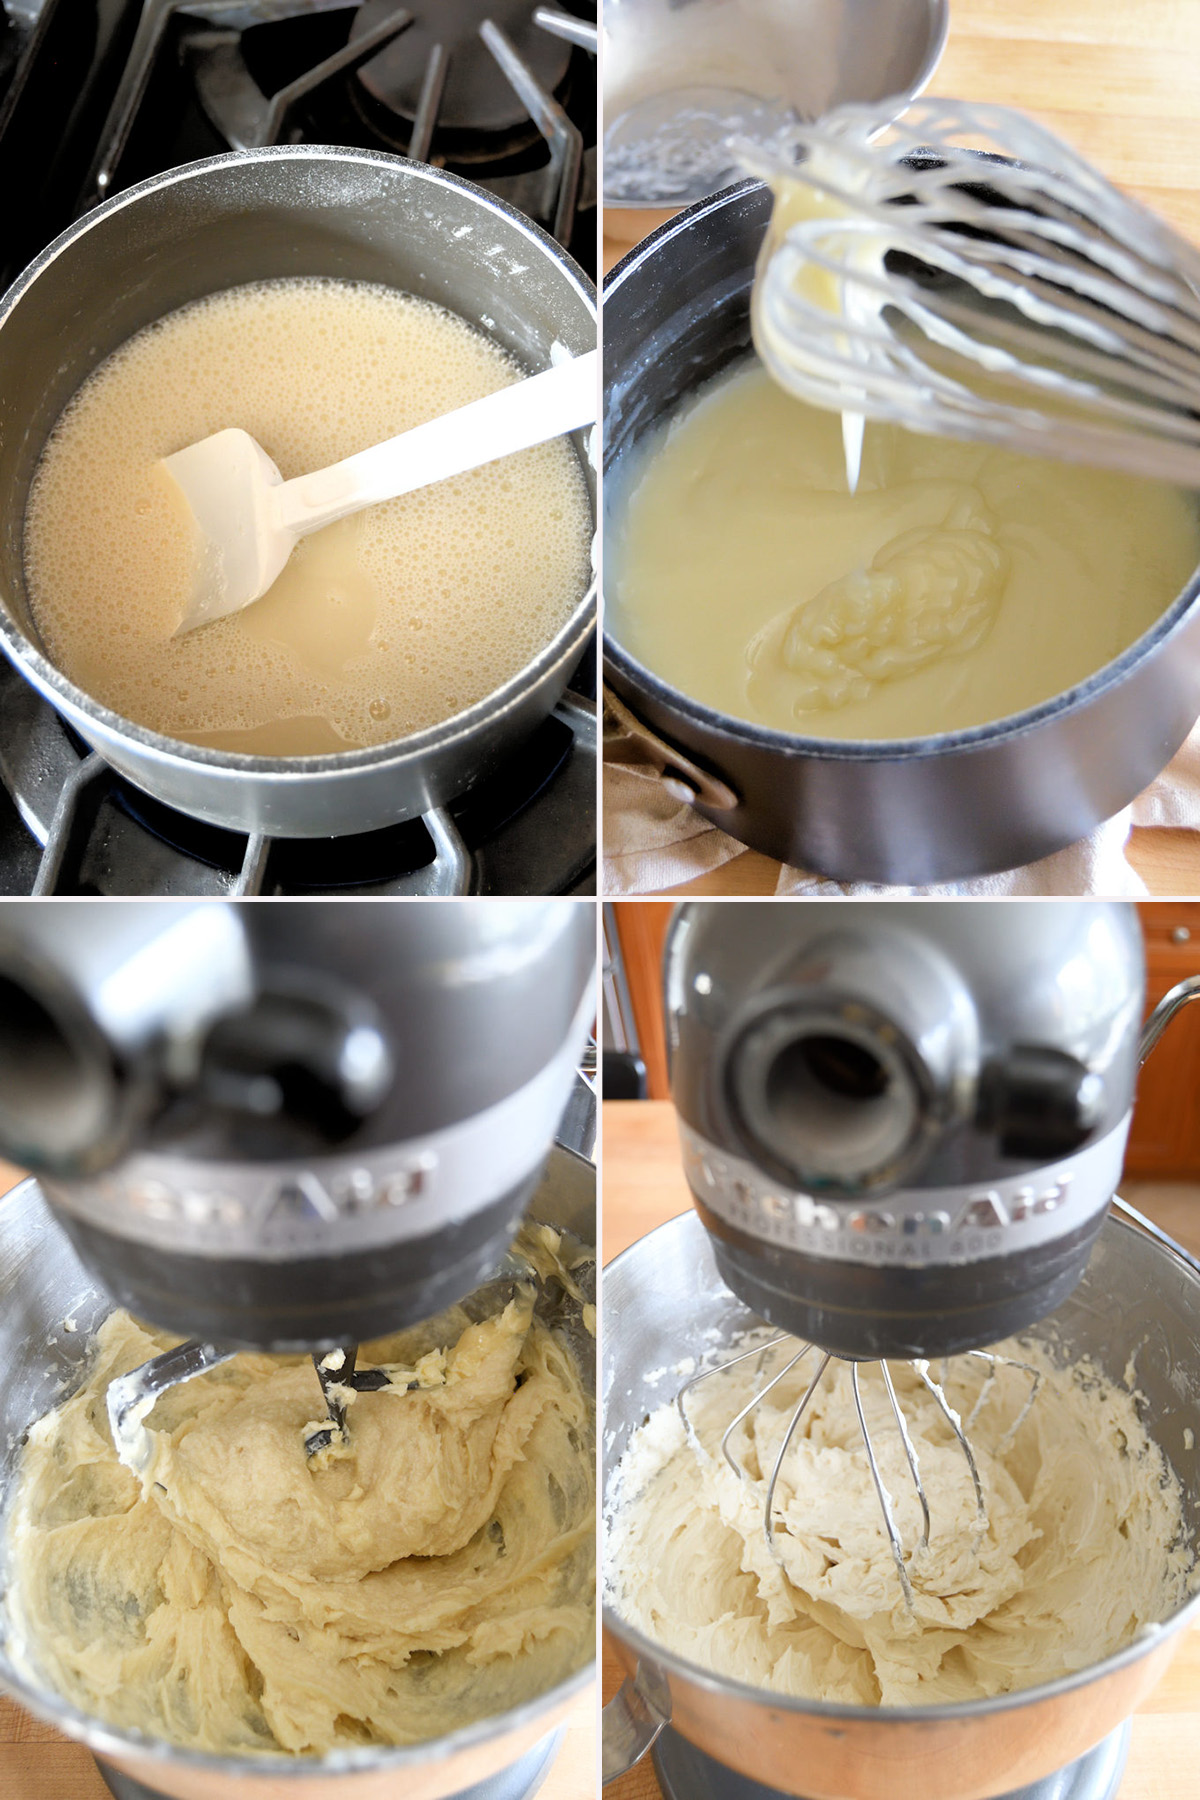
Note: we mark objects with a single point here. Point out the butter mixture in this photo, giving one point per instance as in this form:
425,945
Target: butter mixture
1080,1553
238,1597
958,585
380,625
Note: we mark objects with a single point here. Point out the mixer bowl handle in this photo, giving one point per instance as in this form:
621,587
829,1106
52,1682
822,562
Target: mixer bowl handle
1133,1217
632,1720
1173,1001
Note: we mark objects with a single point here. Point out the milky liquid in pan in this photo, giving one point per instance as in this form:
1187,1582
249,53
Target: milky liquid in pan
382,624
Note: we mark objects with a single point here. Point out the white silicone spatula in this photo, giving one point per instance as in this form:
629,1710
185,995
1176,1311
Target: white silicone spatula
251,519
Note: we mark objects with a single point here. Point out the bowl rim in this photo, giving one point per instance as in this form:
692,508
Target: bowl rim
78,705
947,1712
990,733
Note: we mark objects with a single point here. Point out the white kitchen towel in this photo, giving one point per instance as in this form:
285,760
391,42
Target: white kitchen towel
653,841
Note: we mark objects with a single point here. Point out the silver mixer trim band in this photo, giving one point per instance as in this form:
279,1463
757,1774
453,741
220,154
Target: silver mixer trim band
333,1205
912,1226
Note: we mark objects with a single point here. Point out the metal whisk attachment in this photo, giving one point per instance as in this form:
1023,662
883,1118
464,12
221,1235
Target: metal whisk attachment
966,273
935,1388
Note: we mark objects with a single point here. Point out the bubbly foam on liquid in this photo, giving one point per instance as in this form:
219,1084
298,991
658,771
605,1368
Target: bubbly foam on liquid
382,624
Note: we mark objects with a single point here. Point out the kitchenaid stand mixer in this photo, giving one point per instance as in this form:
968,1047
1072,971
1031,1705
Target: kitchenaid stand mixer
901,1126
291,1128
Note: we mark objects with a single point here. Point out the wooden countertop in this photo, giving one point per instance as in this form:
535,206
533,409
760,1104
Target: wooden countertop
643,1187
38,1763
1120,80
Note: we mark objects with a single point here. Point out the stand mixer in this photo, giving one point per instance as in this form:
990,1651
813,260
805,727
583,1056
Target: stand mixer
901,1125
289,1128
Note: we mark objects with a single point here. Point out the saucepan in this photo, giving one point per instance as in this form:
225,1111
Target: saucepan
1140,1300
41,1284
251,216
912,811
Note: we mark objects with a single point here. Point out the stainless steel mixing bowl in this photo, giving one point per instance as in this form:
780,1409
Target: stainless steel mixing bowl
663,1299
41,1284
252,216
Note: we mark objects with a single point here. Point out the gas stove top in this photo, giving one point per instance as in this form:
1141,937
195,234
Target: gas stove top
98,94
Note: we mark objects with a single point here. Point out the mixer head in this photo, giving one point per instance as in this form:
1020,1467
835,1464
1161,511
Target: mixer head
902,1123
289,1127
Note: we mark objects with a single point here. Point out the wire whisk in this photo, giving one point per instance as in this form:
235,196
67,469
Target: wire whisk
966,273
934,1387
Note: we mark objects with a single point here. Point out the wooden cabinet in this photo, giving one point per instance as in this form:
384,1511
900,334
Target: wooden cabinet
641,930
1165,1141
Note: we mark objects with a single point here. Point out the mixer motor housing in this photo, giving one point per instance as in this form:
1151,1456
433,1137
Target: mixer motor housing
289,1128
902,1123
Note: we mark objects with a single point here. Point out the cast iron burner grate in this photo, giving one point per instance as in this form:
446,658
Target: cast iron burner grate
502,91
685,1773
520,1782
69,824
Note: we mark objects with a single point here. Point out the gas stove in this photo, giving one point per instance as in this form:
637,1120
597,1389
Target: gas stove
96,95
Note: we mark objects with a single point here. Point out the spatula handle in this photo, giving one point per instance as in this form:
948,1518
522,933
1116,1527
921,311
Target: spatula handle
529,412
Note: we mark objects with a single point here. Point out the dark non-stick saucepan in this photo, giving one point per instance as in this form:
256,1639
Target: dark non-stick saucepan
913,811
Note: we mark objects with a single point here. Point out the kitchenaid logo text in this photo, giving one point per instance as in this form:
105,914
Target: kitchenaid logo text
723,1185
280,1203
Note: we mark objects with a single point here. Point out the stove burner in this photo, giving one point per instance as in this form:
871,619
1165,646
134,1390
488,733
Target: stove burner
464,93
685,1773
520,1782
477,96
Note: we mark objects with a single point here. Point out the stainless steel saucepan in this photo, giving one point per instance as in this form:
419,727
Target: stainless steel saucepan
251,216
41,1284
1140,1299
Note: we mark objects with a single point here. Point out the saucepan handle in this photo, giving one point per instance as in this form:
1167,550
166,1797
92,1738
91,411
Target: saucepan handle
682,777
633,1719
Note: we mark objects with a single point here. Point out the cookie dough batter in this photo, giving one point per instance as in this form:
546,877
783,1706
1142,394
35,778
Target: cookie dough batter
239,1597
1081,1549
959,584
